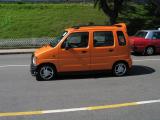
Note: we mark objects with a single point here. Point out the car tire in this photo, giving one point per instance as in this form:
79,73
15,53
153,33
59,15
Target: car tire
46,72
149,51
120,69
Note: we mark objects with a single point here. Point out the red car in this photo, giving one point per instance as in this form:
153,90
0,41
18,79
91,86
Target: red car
146,42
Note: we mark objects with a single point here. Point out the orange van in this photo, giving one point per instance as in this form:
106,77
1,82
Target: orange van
84,48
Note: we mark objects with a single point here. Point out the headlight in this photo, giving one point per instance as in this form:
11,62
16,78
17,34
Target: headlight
34,60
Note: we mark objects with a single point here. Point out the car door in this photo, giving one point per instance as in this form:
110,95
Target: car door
74,53
103,51
156,40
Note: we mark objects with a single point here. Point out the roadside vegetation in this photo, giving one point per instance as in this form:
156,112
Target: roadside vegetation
26,20
44,20
139,16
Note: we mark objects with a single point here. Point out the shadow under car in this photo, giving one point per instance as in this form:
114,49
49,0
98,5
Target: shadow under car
135,70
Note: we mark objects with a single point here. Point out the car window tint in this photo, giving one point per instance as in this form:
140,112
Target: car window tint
141,34
121,38
103,38
156,35
77,40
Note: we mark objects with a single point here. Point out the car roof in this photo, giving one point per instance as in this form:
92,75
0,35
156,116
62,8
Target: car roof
120,26
150,30
91,28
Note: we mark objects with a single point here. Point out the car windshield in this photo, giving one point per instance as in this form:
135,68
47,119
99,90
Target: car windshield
141,34
57,39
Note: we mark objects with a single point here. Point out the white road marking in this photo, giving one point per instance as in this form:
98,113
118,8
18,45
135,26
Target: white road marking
134,60
3,66
91,108
64,110
149,101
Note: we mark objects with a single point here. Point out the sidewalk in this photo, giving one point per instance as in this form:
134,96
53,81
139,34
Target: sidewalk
16,51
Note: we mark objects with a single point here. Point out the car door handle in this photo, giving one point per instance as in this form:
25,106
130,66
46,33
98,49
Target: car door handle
111,50
84,51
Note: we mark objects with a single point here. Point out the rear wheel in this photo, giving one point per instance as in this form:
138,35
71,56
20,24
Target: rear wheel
46,72
120,69
149,50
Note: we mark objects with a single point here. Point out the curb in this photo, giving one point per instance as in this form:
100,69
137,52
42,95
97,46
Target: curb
16,51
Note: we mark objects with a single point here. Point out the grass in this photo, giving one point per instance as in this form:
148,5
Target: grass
44,20
47,20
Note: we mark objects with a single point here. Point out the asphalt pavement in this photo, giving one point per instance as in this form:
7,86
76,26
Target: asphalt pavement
20,92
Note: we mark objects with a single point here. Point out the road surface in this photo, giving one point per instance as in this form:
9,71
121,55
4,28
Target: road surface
98,96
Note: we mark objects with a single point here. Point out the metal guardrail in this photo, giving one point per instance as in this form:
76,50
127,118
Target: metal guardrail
24,43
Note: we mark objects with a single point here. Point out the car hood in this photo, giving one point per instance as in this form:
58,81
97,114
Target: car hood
42,50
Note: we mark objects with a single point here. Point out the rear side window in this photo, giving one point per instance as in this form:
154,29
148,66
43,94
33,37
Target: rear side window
103,38
141,34
121,38
156,35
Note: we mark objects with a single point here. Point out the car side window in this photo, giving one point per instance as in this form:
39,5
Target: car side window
156,35
77,40
103,38
121,38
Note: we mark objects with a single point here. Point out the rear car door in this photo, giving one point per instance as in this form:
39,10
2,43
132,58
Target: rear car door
156,39
103,50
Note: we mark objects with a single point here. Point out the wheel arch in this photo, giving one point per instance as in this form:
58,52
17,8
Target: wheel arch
150,46
123,61
47,63
154,47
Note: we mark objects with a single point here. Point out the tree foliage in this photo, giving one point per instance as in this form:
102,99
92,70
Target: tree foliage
156,6
110,7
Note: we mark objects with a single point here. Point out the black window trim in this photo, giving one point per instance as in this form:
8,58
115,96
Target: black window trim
104,31
73,33
125,42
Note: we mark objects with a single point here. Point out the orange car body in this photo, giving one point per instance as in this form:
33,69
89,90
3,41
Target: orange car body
89,58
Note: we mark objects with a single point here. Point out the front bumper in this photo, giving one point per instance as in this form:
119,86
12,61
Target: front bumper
33,68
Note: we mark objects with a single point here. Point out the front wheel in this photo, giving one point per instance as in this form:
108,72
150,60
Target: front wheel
46,72
120,69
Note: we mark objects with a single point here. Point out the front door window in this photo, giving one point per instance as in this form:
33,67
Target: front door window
77,40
